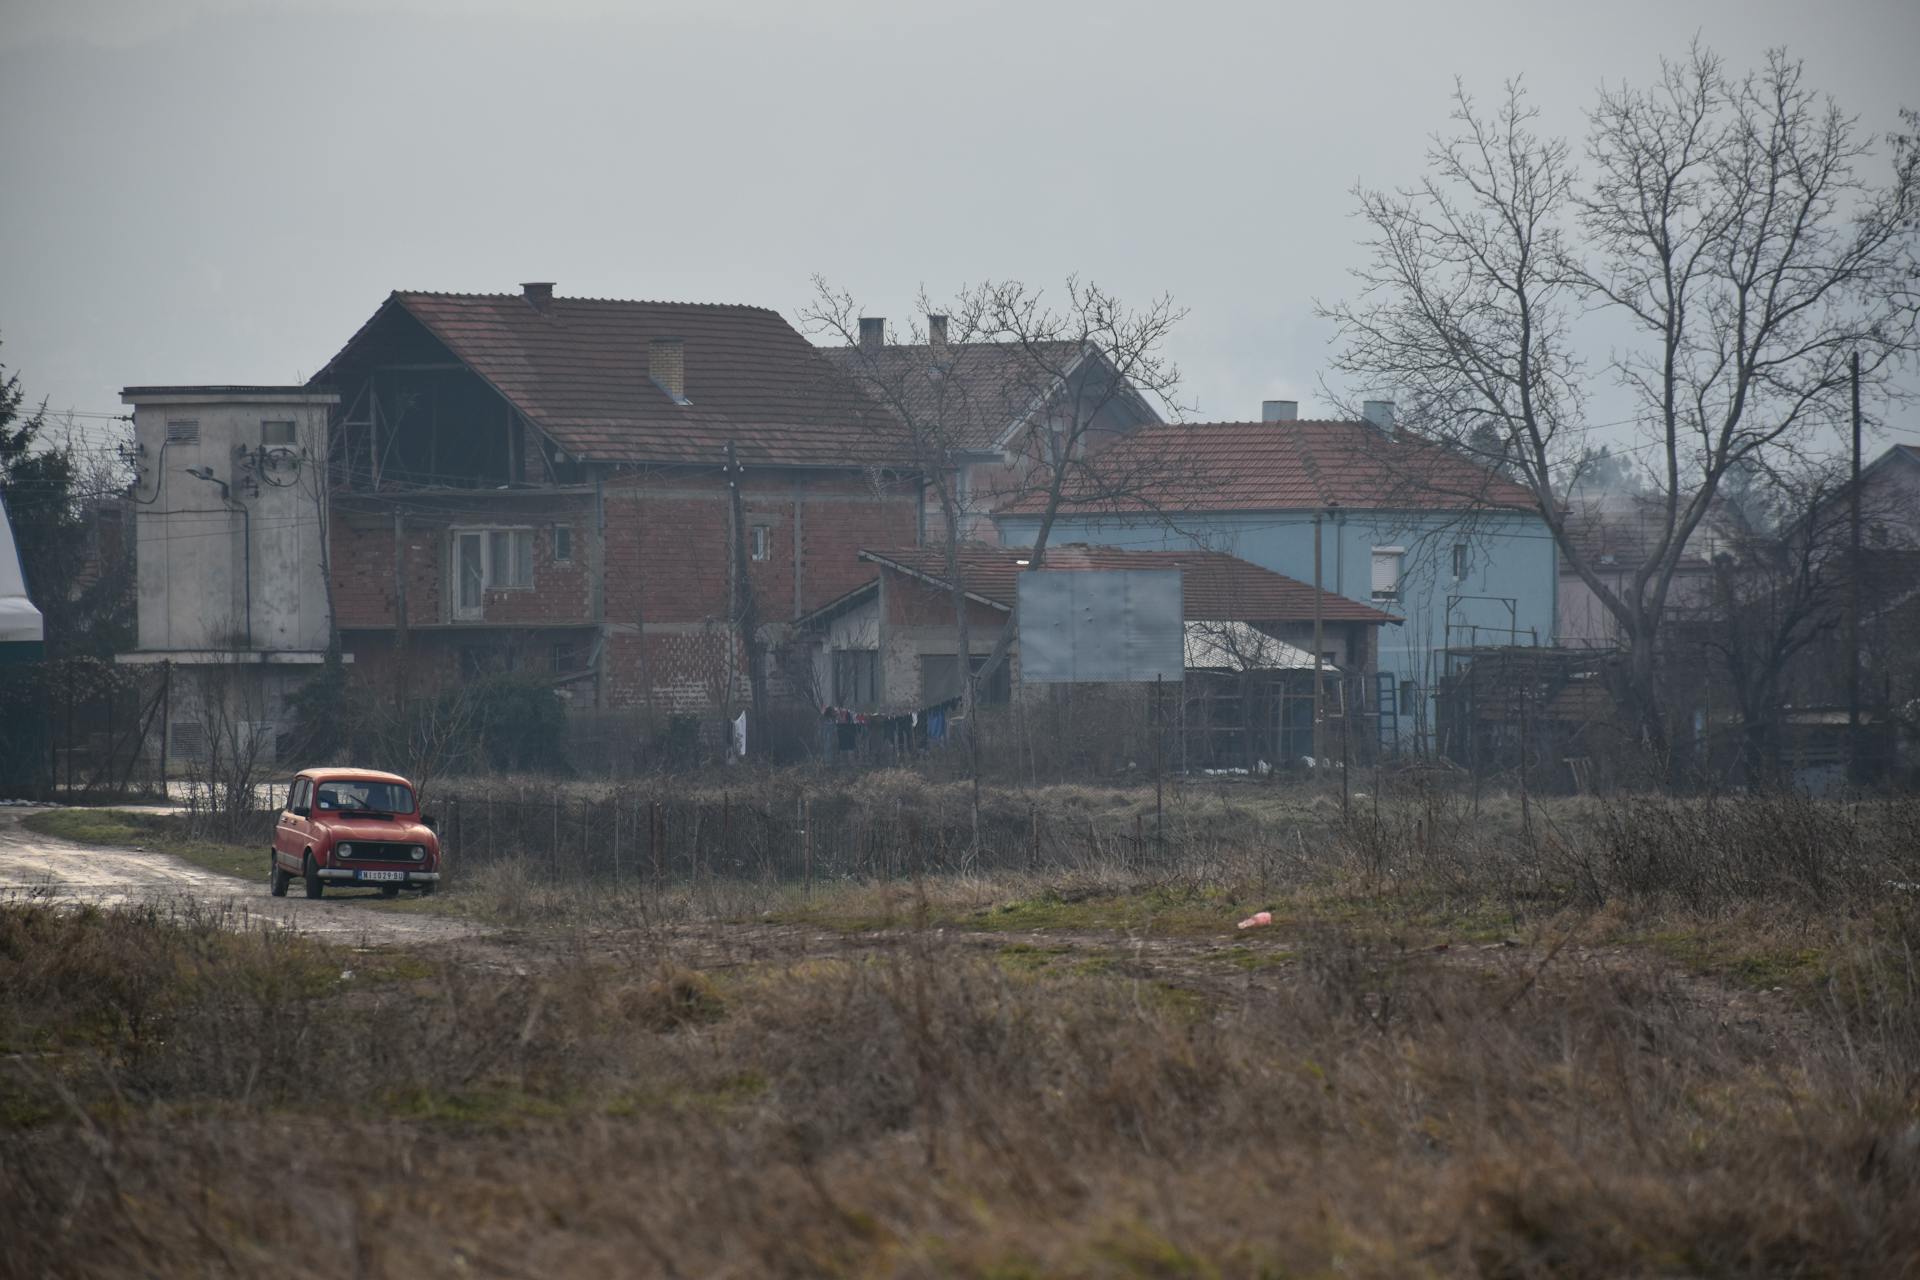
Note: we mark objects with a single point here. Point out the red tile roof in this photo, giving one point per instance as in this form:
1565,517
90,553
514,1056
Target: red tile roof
1217,587
968,394
1302,465
577,369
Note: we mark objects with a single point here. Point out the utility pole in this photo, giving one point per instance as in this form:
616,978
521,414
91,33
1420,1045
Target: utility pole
1853,588
743,611
1319,646
400,681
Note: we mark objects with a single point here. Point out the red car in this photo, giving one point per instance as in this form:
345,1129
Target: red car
353,826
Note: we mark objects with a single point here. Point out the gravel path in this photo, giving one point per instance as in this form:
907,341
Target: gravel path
46,867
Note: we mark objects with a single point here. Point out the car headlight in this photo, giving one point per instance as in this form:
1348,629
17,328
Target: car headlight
419,854
344,850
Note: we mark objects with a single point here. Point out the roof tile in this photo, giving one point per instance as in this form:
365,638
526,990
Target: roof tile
1217,587
1302,465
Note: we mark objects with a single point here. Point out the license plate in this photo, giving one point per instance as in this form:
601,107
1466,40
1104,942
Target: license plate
379,875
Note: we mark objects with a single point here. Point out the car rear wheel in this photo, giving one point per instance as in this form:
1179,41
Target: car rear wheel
315,885
277,880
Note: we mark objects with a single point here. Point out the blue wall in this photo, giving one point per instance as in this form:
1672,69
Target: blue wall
1509,554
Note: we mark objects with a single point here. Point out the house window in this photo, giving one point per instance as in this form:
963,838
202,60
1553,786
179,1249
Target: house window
272,433
1459,561
1386,572
488,560
856,677
563,542
760,542
509,559
183,431
569,656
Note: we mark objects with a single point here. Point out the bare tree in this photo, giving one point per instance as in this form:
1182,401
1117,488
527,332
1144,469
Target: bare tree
1005,369
940,394
1779,590
1724,222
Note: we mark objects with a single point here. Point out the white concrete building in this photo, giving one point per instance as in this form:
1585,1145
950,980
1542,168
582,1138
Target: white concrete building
230,535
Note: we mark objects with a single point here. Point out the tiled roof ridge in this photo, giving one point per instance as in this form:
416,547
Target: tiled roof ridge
567,297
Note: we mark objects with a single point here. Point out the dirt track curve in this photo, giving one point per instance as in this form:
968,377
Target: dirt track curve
46,867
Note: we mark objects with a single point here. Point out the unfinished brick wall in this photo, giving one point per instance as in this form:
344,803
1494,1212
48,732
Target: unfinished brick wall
362,550
665,561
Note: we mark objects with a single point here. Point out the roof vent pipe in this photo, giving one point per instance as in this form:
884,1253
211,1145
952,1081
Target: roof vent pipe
1379,413
873,332
539,295
667,366
1279,410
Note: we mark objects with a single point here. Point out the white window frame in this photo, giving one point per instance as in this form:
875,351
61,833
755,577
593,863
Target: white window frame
1462,561
1398,557
491,578
760,542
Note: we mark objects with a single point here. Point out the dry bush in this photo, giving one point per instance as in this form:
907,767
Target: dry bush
921,1108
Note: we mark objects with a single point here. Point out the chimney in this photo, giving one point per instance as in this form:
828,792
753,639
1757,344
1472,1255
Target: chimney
873,333
1379,413
667,366
539,295
1279,410
936,331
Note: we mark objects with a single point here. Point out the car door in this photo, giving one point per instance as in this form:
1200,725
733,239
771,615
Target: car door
289,835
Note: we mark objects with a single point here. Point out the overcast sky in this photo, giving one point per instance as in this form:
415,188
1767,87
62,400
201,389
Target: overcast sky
223,190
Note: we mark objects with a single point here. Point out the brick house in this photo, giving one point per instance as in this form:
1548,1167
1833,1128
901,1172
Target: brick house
569,488
535,483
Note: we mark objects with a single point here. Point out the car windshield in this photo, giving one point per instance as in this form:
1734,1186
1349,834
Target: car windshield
363,797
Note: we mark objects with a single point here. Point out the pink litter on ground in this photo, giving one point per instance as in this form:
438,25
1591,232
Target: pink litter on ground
1257,920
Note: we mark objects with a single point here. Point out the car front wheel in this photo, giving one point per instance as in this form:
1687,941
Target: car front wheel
315,885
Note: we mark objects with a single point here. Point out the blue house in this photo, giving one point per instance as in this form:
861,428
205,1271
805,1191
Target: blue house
1461,554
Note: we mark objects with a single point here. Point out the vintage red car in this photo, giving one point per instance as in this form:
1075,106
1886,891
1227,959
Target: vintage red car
353,827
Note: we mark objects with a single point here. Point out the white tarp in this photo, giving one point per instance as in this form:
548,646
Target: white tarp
19,620
1236,646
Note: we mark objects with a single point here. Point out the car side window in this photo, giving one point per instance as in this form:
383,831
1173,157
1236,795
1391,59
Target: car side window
301,791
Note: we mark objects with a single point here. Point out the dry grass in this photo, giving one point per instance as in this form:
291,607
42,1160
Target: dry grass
1081,1074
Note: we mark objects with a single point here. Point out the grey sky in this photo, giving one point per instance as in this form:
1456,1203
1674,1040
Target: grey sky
224,190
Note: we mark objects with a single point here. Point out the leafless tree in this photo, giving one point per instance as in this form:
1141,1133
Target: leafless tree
1780,588
939,394
1040,380
234,759
1725,221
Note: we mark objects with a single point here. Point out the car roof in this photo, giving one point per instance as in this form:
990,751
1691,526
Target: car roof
352,775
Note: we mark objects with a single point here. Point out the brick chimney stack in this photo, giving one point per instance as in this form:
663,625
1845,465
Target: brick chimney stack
936,331
1279,411
539,295
873,332
667,366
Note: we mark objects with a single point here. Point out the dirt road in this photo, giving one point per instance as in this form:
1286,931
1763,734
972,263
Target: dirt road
48,867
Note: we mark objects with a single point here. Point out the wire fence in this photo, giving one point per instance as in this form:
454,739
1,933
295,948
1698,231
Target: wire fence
804,835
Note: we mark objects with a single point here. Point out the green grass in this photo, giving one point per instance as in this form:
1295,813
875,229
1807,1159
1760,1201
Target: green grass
148,831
